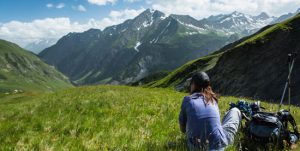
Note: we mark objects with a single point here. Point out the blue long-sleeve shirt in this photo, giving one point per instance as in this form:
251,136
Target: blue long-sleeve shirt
202,122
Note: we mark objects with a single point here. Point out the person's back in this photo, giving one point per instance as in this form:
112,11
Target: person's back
199,118
203,126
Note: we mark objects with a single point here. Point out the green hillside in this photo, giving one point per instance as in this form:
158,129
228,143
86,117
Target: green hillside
22,70
97,118
177,77
151,77
255,66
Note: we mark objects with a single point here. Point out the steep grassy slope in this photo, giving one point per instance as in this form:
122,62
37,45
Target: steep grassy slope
97,118
258,66
22,70
151,77
255,66
177,77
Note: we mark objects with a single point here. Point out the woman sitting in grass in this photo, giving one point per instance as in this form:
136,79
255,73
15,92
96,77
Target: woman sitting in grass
200,117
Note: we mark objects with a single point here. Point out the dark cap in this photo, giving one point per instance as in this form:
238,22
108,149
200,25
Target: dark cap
201,79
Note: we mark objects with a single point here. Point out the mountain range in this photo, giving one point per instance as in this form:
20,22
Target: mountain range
239,18
285,16
41,44
149,43
239,23
129,51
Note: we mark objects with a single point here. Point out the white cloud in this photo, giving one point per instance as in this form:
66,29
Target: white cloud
132,1
102,2
117,17
49,5
24,33
125,14
80,8
205,8
60,5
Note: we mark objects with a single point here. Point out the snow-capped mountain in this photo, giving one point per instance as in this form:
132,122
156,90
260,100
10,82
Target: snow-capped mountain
285,16
239,23
39,45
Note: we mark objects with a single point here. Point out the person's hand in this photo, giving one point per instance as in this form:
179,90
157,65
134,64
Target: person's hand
293,146
244,116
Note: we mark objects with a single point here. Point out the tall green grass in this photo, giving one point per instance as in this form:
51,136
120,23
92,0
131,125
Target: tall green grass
97,118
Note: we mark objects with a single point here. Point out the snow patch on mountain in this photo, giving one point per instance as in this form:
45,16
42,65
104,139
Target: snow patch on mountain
152,11
143,68
147,23
191,33
161,33
191,26
163,17
123,30
137,46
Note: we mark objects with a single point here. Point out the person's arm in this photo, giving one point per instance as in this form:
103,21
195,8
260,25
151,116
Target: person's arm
183,116
293,141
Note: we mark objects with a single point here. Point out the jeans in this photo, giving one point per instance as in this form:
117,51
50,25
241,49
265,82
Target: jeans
230,125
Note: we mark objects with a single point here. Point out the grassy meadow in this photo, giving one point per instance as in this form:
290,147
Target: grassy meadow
97,118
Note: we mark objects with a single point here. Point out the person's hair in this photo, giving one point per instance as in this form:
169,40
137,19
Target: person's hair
209,94
205,88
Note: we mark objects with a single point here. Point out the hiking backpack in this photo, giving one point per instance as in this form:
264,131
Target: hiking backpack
267,128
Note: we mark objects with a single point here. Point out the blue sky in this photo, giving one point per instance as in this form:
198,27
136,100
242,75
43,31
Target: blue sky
27,10
27,21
